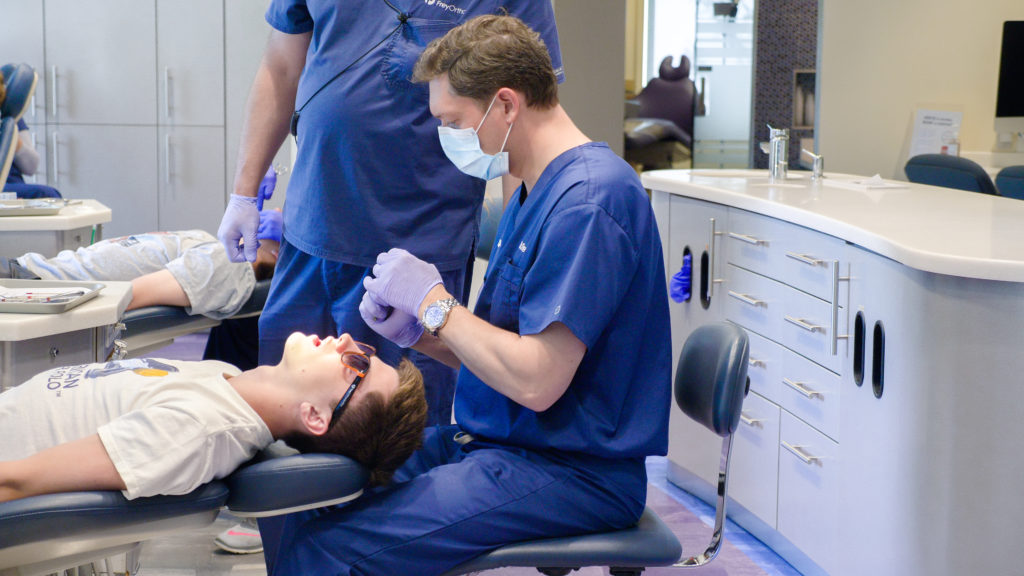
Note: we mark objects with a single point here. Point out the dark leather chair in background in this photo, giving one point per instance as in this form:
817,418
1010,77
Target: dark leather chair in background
659,126
1010,182
949,172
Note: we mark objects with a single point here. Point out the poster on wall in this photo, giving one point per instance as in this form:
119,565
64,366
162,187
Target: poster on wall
936,132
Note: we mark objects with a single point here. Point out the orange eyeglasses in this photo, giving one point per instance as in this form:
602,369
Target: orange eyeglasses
358,362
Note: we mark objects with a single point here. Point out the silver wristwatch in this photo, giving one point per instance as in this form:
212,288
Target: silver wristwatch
436,314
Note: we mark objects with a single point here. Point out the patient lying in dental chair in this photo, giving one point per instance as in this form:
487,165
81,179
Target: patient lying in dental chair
189,268
149,426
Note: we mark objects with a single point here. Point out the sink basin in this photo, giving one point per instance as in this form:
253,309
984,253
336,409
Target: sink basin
739,173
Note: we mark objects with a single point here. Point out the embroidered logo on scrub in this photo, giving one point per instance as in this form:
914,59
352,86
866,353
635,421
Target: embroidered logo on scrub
522,246
445,6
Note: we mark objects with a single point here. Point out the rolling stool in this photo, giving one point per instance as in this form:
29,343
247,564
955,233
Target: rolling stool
710,383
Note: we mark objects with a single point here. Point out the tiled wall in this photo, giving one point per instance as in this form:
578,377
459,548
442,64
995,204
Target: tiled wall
787,38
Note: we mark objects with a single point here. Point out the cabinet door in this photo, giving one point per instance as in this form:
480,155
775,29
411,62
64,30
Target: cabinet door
191,178
116,165
190,65
754,471
696,227
101,61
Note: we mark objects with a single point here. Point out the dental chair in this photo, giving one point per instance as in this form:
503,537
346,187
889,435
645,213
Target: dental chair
152,327
710,384
20,83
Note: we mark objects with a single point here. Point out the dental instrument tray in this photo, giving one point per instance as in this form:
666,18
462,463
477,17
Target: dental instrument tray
44,296
34,207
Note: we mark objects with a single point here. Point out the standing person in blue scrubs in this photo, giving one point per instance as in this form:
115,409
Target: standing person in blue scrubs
369,173
564,385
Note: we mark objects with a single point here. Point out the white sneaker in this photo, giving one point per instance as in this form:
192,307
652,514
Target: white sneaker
242,538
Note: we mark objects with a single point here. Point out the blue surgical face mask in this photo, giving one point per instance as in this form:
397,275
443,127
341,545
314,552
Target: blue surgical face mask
462,147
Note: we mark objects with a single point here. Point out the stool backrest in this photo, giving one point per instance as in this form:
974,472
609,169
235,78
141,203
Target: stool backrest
711,377
949,172
1010,182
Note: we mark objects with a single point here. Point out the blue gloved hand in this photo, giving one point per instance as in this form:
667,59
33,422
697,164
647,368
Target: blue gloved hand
240,222
395,325
401,281
267,186
271,225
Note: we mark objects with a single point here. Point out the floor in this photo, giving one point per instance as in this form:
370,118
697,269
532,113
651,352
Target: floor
194,554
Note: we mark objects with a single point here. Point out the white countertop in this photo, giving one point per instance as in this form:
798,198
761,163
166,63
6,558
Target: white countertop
103,310
79,214
940,230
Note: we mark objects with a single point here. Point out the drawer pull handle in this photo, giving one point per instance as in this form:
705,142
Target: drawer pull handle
800,453
747,239
804,324
752,422
803,389
711,259
836,279
810,261
756,363
747,299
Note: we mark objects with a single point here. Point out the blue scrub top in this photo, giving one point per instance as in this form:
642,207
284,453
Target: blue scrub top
15,175
370,174
583,249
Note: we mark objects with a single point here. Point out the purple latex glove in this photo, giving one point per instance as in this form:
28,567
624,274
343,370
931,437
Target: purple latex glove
395,325
267,186
240,222
271,225
401,281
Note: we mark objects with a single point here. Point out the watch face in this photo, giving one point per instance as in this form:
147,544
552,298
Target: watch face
433,316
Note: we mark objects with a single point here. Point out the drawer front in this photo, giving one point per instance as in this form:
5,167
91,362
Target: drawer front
806,259
805,325
808,490
754,470
753,301
753,242
811,393
765,366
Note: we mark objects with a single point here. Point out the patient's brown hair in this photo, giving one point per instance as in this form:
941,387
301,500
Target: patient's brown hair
379,433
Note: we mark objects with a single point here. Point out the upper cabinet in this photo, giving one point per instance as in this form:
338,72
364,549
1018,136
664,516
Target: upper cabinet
190,63
101,62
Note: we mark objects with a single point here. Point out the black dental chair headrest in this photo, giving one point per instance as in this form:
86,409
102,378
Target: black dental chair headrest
20,81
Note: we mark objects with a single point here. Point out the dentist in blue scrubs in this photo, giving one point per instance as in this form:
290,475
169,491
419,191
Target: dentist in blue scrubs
564,379
369,174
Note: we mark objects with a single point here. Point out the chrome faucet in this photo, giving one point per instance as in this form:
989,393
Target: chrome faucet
778,154
818,167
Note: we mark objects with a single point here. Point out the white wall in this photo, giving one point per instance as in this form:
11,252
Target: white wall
882,59
592,36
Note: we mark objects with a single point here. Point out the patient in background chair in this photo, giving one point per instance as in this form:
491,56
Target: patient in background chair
148,426
188,268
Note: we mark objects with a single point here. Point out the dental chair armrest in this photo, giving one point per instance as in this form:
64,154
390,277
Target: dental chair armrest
280,480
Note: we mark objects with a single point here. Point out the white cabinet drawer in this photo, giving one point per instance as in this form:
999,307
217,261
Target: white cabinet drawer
765,366
753,301
753,242
808,491
754,470
805,326
811,393
806,261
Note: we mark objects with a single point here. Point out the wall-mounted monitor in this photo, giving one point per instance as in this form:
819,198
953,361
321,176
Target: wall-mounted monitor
1010,93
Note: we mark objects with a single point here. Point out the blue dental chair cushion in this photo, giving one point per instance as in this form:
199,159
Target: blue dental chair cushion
279,480
1010,182
20,81
8,140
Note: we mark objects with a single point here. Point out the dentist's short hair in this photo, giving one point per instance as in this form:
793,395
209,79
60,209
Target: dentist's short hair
490,52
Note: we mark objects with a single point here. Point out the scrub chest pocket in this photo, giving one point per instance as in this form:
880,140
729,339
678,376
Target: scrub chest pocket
405,47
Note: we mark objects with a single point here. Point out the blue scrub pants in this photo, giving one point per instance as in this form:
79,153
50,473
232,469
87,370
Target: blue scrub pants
317,296
451,503
26,191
